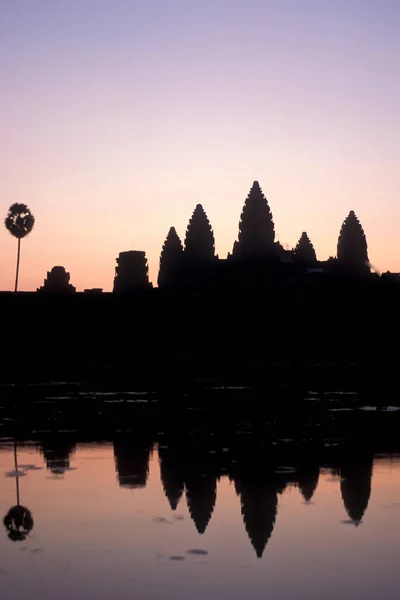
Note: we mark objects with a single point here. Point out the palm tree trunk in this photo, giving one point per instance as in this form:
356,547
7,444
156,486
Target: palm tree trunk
16,470
18,257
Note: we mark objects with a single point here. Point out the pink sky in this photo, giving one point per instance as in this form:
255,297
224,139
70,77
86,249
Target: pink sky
116,122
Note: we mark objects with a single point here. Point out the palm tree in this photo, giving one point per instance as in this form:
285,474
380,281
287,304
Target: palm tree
19,222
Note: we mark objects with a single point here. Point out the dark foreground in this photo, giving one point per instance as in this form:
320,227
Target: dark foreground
298,334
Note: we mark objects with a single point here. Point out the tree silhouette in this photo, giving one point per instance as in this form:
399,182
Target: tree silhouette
352,243
304,251
171,255
199,240
256,227
18,521
19,222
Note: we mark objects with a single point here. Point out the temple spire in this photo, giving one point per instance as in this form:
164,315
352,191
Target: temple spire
352,243
304,251
171,255
256,227
199,240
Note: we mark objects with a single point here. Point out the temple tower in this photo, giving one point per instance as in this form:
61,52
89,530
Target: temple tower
256,228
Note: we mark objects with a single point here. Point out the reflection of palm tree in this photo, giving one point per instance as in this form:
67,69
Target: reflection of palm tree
18,521
19,222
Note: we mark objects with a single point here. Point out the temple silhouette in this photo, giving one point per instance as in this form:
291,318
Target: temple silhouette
132,272
257,258
57,281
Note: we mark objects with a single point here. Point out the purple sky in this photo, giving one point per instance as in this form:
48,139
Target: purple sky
117,117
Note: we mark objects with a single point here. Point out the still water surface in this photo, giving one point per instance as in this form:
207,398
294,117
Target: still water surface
110,521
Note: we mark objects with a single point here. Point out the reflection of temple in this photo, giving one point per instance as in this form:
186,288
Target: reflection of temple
201,495
57,454
307,480
259,504
171,477
57,281
132,272
196,472
355,487
131,463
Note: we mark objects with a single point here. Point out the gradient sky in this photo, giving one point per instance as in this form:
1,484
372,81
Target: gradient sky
117,117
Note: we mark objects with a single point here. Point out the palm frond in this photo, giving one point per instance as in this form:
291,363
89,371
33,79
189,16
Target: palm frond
19,220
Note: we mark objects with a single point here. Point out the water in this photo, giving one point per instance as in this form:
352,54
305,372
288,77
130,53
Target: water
133,519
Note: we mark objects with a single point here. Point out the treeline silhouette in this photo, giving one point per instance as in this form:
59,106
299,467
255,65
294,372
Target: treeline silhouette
191,473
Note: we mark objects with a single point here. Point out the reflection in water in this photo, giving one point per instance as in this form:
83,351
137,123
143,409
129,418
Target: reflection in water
259,503
172,478
195,470
307,480
131,462
184,470
197,475
264,460
105,553
201,485
201,495
355,486
57,454
18,521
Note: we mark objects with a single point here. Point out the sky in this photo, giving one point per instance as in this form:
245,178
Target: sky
118,117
